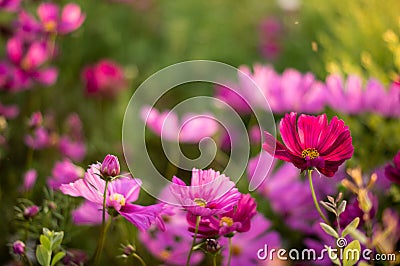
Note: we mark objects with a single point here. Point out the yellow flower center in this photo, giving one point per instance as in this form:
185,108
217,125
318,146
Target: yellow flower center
165,254
200,202
236,250
226,221
118,198
25,64
310,153
50,26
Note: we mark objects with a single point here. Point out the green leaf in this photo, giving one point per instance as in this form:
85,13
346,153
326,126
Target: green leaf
45,241
351,227
342,207
360,236
351,253
57,257
327,207
57,239
47,232
43,255
329,230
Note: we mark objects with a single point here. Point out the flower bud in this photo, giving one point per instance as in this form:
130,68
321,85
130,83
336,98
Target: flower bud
18,247
128,250
31,211
110,166
212,245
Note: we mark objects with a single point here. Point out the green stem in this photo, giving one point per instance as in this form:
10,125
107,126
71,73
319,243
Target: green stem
27,260
315,198
215,260
139,259
230,251
198,218
103,228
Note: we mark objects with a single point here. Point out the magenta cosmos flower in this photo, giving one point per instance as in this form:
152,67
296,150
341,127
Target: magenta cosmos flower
10,5
210,193
120,194
236,220
50,20
190,129
312,142
105,78
64,172
28,59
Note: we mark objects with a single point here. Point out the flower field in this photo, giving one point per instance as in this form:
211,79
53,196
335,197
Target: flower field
150,132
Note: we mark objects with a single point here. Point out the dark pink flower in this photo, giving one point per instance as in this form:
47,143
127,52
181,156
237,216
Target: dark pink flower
64,172
28,59
105,78
210,193
236,220
311,142
18,247
392,171
120,195
10,5
110,166
31,211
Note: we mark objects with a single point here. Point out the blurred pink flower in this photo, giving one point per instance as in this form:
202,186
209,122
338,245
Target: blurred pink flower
209,193
120,194
28,59
10,5
9,111
40,139
36,120
64,172
270,38
191,129
76,150
105,78
51,22
30,177
392,170
18,247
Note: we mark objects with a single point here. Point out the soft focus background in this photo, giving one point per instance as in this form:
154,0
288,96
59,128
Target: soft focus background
350,50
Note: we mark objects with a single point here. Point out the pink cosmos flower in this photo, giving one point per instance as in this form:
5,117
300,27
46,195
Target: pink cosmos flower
70,20
191,129
392,171
120,195
28,60
88,213
105,78
50,21
30,177
311,142
210,193
64,172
